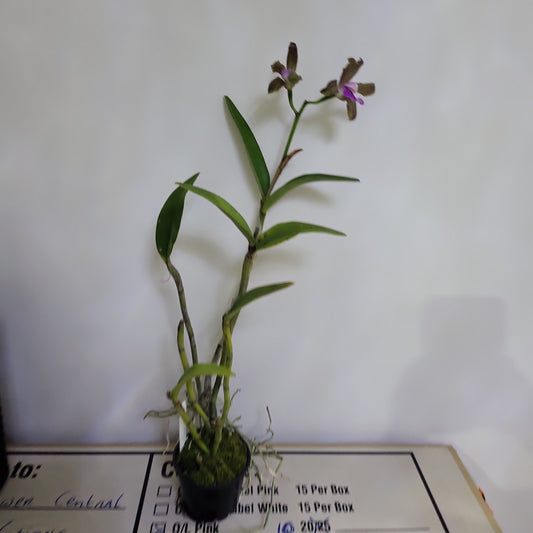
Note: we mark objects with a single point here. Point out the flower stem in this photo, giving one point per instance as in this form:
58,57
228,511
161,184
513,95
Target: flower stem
297,115
291,104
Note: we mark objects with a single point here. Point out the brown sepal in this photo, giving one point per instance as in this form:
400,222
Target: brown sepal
292,56
350,70
366,89
275,85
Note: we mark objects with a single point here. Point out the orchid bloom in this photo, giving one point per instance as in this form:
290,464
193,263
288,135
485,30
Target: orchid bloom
347,90
287,74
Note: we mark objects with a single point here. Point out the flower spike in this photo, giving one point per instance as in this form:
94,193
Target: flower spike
347,90
288,77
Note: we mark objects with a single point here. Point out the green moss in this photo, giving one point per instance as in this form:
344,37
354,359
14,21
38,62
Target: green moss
217,469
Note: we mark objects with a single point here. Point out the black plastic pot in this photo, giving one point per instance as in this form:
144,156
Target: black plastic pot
213,502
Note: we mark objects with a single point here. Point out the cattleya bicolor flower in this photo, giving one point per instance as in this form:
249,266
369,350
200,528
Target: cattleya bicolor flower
287,74
347,90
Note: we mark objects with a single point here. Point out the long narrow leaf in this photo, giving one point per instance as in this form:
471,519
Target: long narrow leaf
287,230
169,220
197,370
252,148
254,294
301,180
225,207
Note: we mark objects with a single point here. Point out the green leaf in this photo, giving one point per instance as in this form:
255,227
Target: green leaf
169,220
225,207
254,294
286,230
252,148
301,180
197,370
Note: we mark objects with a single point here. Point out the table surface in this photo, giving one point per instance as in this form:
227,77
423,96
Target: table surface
319,489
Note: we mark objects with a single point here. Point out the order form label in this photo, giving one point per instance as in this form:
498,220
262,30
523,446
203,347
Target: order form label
320,491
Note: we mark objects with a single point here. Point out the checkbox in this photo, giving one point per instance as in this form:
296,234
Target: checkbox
163,491
158,527
161,509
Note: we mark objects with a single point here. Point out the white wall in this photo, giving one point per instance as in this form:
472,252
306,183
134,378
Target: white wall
416,328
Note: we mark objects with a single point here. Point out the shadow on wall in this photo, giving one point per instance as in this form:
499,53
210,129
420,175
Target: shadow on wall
462,381
7,390
3,381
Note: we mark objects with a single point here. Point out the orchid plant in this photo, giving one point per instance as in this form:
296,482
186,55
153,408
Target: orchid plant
202,415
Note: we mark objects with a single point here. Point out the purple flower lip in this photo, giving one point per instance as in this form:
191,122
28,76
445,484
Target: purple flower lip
285,73
349,90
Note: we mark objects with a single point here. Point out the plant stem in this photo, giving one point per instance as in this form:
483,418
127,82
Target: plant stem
247,264
186,319
191,393
227,361
187,420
